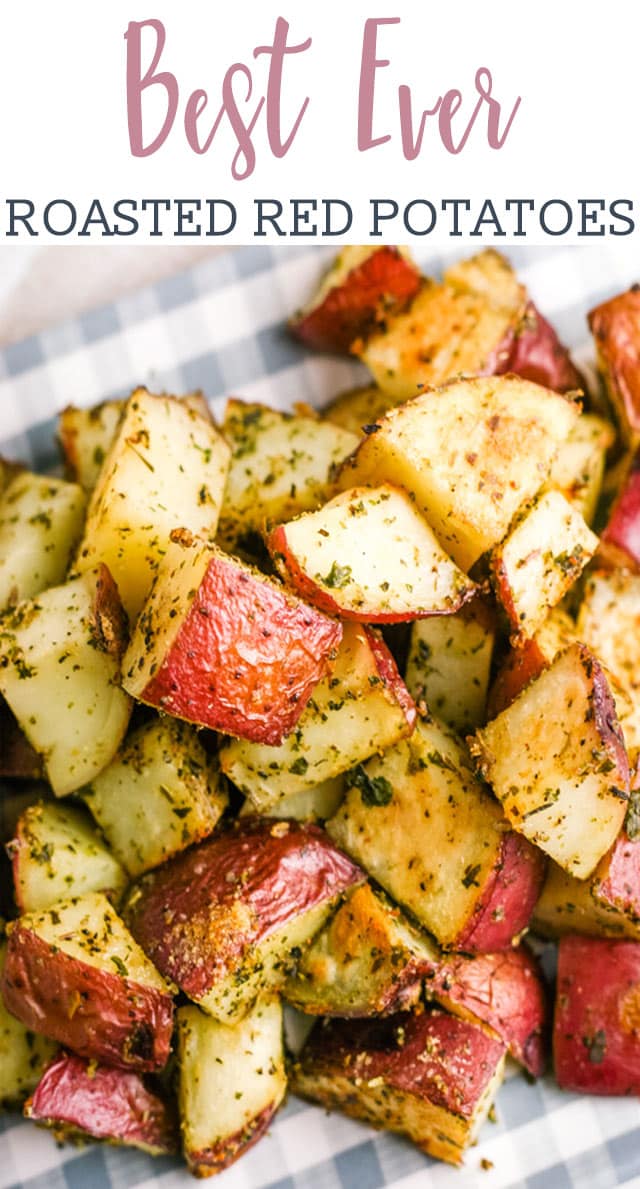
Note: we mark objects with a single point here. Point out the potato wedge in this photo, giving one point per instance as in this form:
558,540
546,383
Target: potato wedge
449,664
368,555
362,285
556,760
79,1100
231,1082
469,454
23,1054
41,522
615,326
281,464
75,974
422,826
160,793
222,919
362,707
429,1076
60,659
221,646
57,853
541,558
166,469
596,1045
366,961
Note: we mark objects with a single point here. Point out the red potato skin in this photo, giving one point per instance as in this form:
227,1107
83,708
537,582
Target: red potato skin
508,900
620,541
103,1103
200,913
246,659
596,1039
615,326
430,1055
209,1161
390,677
306,588
606,721
385,281
522,665
99,1015
532,350
506,992
618,877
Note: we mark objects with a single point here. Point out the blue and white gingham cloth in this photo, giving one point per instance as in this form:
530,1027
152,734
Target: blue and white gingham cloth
220,327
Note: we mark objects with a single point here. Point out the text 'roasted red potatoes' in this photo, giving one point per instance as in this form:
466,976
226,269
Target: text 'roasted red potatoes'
222,919
221,646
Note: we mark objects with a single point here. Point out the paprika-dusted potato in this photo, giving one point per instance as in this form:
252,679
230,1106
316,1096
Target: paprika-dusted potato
556,760
469,454
429,1076
363,285
421,824
74,973
615,326
368,555
221,646
79,1099
231,1082
596,1038
223,919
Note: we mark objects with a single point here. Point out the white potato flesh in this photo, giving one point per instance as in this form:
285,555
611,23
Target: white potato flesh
449,664
58,853
578,468
41,522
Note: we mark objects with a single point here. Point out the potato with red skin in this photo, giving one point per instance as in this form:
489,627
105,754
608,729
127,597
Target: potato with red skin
532,350
615,326
620,539
427,1075
503,990
596,1034
528,659
362,285
221,646
77,1098
75,974
222,919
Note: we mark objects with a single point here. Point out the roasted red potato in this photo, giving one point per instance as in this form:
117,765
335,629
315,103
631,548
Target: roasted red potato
620,540
426,1075
421,824
449,663
23,1054
56,853
368,960
231,1083
359,289
222,919
368,555
221,646
469,454
528,659
79,1099
556,760
615,326
578,469
609,624
531,349
505,991
607,904
75,974
596,1034
41,522
358,407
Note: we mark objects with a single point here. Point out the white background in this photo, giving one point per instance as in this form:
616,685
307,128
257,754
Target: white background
64,133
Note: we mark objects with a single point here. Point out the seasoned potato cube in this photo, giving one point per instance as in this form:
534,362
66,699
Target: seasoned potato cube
57,853
453,863
79,1099
358,407
609,624
23,1054
469,454
223,919
449,664
429,1076
368,555
596,1047
222,646
159,794
578,468
231,1083
166,469
540,560
368,960
75,973
362,285
41,522
615,326
281,464
557,762
60,673
362,707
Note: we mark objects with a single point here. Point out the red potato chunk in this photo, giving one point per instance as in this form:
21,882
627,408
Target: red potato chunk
620,540
615,326
531,349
